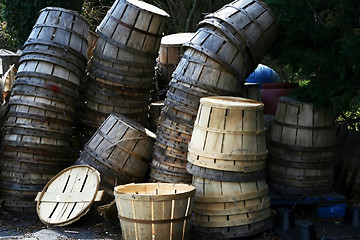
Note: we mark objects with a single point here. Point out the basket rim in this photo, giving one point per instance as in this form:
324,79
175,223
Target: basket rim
60,9
187,191
148,7
173,40
230,102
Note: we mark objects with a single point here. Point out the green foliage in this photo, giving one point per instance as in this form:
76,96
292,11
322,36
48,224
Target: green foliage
184,14
94,11
322,38
6,40
20,15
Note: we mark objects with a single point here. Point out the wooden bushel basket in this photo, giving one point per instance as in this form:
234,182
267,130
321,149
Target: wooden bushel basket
55,54
170,53
225,176
170,133
132,74
168,169
30,158
230,55
236,232
251,91
301,148
158,211
229,135
61,28
197,69
115,54
50,67
251,22
134,25
99,112
108,104
111,88
299,124
349,164
115,98
154,112
177,115
164,176
169,164
120,149
43,102
227,204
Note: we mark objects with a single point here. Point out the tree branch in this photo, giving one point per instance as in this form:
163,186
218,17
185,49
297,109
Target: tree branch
190,17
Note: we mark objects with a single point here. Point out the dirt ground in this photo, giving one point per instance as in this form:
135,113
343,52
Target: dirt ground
92,226
28,226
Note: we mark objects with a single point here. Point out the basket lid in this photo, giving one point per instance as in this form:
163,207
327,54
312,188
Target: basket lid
68,195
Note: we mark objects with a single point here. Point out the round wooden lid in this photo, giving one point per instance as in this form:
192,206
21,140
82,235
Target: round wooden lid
68,195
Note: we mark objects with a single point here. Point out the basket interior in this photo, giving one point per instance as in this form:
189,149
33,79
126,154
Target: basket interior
153,189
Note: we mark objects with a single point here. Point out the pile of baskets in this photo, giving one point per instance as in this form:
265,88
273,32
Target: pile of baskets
122,66
301,149
226,48
39,125
227,158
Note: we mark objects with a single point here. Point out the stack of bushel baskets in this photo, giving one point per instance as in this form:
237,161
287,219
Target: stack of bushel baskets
227,158
226,48
38,128
301,149
122,66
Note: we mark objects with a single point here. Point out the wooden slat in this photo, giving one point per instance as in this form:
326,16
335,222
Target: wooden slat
67,197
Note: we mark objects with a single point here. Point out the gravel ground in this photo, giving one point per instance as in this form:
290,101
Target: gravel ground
28,226
92,226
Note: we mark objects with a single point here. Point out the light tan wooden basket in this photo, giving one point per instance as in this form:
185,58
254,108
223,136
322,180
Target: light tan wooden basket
229,135
159,211
228,204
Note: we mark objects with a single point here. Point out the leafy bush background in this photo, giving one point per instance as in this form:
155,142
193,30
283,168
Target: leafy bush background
319,41
20,16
